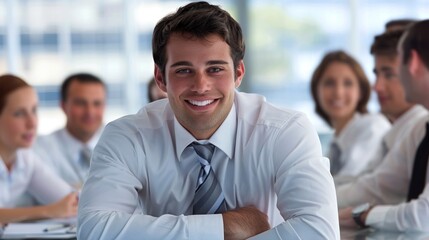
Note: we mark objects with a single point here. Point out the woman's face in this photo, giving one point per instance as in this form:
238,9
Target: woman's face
18,120
338,91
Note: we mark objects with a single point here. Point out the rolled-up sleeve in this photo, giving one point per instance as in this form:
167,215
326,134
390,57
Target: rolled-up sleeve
304,186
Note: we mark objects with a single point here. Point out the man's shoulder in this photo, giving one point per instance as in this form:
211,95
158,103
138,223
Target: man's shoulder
51,138
151,116
373,118
255,107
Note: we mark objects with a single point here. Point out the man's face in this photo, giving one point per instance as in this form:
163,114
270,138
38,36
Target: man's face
390,93
84,109
411,91
200,82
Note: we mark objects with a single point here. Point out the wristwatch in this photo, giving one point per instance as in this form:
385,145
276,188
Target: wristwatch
357,214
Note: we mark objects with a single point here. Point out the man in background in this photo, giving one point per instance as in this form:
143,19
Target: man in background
68,150
395,197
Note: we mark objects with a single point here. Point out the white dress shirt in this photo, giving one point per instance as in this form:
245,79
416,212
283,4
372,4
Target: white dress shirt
143,176
357,139
400,128
61,151
387,188
29,174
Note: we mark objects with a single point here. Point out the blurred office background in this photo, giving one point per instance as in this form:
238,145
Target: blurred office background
43,41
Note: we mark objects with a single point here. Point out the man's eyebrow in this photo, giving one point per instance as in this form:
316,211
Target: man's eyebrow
217,62
181,63
386,69
383,69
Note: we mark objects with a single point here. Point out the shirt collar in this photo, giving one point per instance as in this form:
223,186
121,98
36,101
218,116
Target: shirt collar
390,137
76,144
341,139
223,138
18,165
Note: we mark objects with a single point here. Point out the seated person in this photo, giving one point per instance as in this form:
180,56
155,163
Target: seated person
20,169
399,24
396,195
341,92
154,92
391,97
211,162
68,150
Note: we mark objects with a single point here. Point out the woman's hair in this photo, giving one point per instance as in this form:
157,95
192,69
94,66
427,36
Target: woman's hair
340,57
8,84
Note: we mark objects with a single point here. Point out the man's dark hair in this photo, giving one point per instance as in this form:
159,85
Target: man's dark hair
79,77
417,38
398,24
197,19
386,44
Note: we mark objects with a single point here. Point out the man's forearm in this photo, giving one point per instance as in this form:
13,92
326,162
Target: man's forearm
244,223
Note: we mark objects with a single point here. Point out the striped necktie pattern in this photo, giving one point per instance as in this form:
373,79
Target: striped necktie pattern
209,198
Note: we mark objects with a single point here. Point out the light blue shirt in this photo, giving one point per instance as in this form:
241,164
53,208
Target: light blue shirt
29,174
143,176
61,151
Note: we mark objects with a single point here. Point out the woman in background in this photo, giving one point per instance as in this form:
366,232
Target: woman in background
341,92
20,169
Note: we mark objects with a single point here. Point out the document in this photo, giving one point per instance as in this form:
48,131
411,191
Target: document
40,230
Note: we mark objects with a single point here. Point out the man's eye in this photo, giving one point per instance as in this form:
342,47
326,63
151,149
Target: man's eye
390,75
183,70
215,70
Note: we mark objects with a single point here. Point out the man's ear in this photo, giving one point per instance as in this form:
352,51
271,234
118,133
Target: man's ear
415,65
159,79
63,105
239,73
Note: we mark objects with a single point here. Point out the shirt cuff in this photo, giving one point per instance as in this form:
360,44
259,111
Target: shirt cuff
205,227
377,216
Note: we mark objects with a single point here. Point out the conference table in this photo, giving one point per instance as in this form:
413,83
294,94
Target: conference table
346,234
372,234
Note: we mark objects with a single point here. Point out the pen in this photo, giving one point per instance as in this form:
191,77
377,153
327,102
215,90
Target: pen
57,227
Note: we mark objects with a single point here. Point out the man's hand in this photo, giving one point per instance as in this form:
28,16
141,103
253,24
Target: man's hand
346,219
244,223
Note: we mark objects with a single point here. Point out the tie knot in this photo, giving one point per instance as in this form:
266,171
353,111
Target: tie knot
205,151
85,154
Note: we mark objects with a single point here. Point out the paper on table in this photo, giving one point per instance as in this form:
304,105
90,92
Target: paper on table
36,230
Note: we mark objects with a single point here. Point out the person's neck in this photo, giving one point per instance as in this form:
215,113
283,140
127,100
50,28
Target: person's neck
340,123
394,117
84,138
8,157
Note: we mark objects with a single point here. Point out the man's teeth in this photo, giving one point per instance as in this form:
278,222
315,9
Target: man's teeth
201,103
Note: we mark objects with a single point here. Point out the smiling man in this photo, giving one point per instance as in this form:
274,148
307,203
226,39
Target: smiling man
208,162
68,150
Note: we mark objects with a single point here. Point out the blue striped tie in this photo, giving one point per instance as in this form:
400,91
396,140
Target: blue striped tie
209,198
